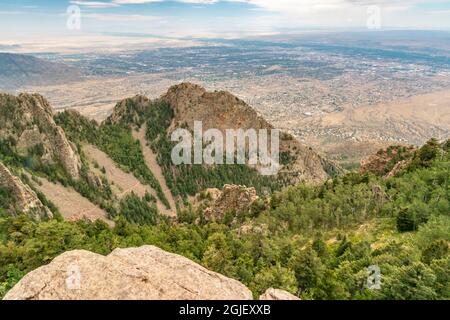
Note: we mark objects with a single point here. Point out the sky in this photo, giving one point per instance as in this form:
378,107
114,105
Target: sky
210,18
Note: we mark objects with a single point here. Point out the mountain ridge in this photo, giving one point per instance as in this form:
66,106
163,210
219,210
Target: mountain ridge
41,140
222,110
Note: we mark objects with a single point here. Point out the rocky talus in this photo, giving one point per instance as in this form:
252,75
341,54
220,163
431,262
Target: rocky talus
24,198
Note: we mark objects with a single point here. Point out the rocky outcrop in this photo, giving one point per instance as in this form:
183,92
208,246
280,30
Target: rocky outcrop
388,162
231,198
28,119
24,198
128,110
221,110
94,180
145,273
277,294
252,228
398,167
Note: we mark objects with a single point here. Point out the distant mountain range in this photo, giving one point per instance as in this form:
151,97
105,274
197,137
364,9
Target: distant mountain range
19,70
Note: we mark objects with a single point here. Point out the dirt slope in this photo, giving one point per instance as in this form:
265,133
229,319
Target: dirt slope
70,203
153,165
122,182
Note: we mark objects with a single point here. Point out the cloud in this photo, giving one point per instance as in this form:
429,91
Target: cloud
284,6
12,12
121,17
447,12
119,2
124,2
293,13
94,4
304,6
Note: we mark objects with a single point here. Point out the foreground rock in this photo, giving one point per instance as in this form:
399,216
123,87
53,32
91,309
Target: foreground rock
24,199
135,273
277,294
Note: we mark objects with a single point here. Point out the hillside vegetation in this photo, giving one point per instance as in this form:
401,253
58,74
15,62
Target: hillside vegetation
115,140
185,180
313,241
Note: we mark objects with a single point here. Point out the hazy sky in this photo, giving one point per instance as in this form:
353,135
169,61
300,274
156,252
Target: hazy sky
31,18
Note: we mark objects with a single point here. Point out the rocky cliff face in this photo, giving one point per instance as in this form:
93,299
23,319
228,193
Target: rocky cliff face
222,110
24,198
128,110
28,119
136,273
231,198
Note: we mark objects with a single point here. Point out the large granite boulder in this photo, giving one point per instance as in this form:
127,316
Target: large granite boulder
134,273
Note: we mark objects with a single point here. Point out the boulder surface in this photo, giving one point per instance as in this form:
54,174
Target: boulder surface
145,273
277,294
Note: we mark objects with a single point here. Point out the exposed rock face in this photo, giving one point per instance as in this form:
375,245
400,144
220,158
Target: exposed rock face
399,166
28,119
276,294
94,180
222,111
25,199
232,198
128,110
136,273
